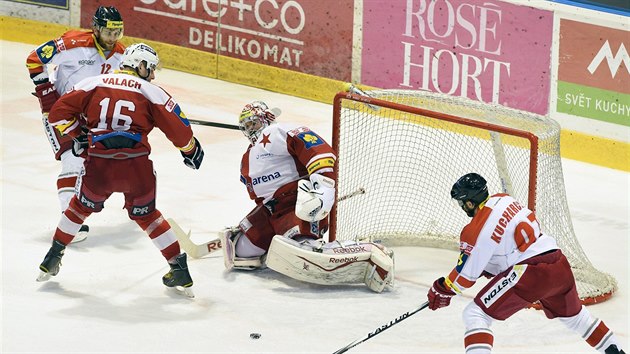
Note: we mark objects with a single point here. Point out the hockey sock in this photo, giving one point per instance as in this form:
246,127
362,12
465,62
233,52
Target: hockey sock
70,222
160,233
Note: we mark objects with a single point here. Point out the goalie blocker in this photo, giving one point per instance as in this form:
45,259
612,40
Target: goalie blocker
332,263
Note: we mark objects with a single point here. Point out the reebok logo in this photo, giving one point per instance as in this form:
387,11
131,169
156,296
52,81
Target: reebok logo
343,260
351,249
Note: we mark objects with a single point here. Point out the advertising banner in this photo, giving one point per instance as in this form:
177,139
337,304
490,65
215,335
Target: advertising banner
57,4
313,37
594,72
485,50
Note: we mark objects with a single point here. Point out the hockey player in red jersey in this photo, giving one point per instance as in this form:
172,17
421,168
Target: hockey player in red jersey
505,243
71,58
120,110
288,172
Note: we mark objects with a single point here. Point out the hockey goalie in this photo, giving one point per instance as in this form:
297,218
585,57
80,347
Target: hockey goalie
288,172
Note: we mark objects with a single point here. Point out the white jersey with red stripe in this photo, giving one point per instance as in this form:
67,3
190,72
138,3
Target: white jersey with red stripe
74,56
501,234
281,155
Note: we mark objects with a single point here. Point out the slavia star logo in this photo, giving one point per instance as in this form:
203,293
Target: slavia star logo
265,140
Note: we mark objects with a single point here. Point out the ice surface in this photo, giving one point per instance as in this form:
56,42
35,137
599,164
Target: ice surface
109,298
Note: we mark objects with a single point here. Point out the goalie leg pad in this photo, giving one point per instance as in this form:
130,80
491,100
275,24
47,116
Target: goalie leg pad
333,264
381,271
230,239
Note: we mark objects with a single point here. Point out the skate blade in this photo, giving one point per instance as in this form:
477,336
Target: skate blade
180,290
79,237
43,276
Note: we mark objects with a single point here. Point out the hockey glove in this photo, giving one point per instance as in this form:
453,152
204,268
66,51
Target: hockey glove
47,96
80,145
315,198
439,296
194,157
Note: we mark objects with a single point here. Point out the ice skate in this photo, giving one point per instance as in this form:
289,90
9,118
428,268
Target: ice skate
52,261
612,349
178,277
81,235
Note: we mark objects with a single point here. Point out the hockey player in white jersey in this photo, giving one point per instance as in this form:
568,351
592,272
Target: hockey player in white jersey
505,243
288,172
69,59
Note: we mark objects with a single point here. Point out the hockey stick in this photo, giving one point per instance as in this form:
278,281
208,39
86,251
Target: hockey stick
276,112
194,250
201,250
382,328
350,88
360,190
214,124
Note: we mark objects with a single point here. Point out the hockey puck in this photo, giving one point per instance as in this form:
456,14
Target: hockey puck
254,335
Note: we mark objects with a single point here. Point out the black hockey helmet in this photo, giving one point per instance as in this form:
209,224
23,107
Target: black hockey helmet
107,17
471,187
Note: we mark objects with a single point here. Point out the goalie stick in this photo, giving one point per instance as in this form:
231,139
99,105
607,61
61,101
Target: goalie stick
382,328
203,249
192,249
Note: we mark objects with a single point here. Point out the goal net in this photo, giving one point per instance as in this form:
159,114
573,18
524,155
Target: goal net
399,153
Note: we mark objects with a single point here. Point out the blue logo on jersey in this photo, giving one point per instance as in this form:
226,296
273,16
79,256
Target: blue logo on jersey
46,52
310,139
461,261
178,112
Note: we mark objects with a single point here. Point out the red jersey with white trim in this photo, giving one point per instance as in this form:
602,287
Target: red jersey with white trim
75,55
282,155
121,103
501,234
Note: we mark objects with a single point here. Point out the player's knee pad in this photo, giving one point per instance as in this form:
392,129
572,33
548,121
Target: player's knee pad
474,317
580,322
71,165
140,211
231,239
478,338
94,206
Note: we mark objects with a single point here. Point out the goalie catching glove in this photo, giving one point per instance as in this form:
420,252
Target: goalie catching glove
315,198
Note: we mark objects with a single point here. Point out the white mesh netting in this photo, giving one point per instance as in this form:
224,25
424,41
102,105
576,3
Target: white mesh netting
408,162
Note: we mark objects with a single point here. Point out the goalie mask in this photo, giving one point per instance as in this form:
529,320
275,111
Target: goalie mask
470,187
139,53
255,117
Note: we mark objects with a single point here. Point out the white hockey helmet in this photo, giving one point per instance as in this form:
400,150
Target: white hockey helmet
138,53
255,117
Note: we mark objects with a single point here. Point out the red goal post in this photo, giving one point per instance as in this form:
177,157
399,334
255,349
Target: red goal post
403,149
